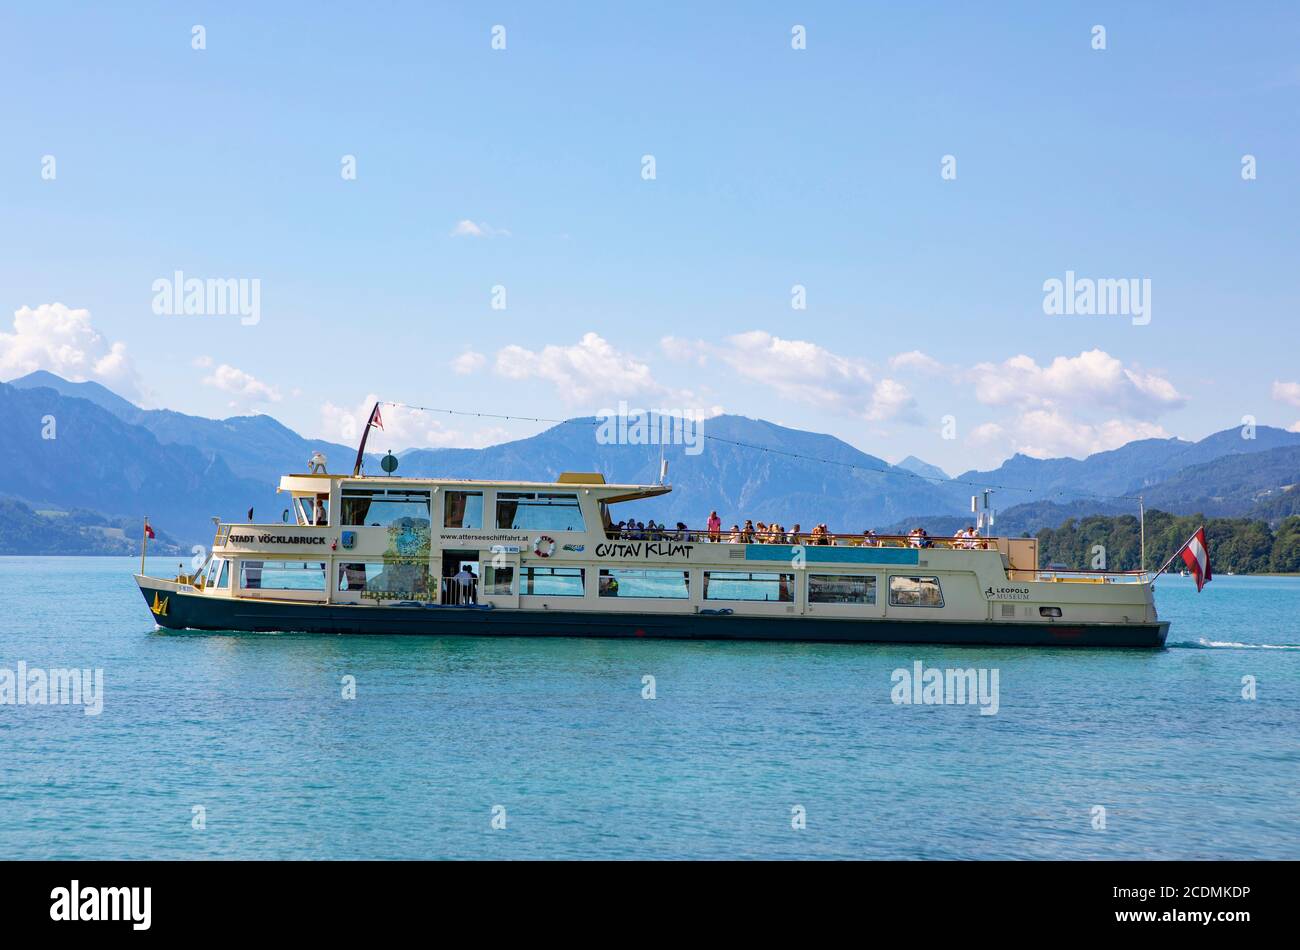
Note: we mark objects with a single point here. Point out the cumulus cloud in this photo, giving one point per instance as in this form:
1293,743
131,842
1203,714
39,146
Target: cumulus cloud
685,351
811,374
62,341
1093,378
1050,433
890,400
246,389
403,428
587,371
1044,434
468,363
1288,393
916,361
467,228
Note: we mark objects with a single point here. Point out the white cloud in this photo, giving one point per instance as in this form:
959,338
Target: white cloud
588,371
468,363
890,400
1044,433
1093,378
988,433
1288,393
917,361
62,341
467,228
245,388
809,373
685,351
403,428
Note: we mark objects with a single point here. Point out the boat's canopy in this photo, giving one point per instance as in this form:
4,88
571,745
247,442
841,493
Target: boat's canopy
593,482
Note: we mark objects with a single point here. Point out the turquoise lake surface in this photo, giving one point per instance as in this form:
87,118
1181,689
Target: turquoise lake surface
555,737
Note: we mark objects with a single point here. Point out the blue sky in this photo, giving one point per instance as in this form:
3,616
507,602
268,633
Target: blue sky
774,167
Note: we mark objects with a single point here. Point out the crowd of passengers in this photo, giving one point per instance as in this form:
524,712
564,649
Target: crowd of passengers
773,533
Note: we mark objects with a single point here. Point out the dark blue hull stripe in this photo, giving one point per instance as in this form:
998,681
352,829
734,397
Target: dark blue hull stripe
191,612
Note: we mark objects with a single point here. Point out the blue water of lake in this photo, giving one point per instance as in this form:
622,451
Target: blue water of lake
531,748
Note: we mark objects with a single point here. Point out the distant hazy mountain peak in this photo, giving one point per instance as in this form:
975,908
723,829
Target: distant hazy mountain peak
918,467
94,392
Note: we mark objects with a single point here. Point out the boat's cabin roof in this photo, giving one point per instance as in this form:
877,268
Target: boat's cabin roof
592,483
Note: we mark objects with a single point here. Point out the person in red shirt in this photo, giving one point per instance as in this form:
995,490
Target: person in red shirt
715,527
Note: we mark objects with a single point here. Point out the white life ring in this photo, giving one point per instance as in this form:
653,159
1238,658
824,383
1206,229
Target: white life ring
544,546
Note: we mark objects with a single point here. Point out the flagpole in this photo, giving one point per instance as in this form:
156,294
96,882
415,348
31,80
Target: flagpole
361,449
144,542
1179,551
1142,527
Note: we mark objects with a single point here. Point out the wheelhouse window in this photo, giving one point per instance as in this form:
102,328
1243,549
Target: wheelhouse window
223,582
636,582
552,581
282,575
211,574
382,507
539,511
915,592
462,509
749,585
313,509
841,589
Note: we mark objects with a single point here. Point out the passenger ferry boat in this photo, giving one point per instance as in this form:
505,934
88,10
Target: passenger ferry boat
387,554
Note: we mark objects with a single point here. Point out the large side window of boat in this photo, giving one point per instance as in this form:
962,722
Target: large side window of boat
398,580
637,582
463,509
223,582
915,592
841,589
552,581
381,507
539,511
282,575
749,585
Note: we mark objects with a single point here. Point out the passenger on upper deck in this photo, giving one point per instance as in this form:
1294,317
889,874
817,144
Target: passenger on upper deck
715,526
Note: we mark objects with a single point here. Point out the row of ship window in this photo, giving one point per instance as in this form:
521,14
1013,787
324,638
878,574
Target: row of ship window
540,511
413,578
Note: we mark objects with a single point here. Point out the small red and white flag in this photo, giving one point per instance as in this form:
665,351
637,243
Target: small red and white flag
148,530
1196,555
375,418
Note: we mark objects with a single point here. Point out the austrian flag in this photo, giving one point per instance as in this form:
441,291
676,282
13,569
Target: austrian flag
1196,555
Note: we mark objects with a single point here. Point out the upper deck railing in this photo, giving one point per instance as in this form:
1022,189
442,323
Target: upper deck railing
698,536
921,542
807,538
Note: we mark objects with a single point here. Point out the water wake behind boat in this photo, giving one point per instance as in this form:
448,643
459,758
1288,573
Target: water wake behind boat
1201,643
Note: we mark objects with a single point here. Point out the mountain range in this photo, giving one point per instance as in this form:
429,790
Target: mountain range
109,456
